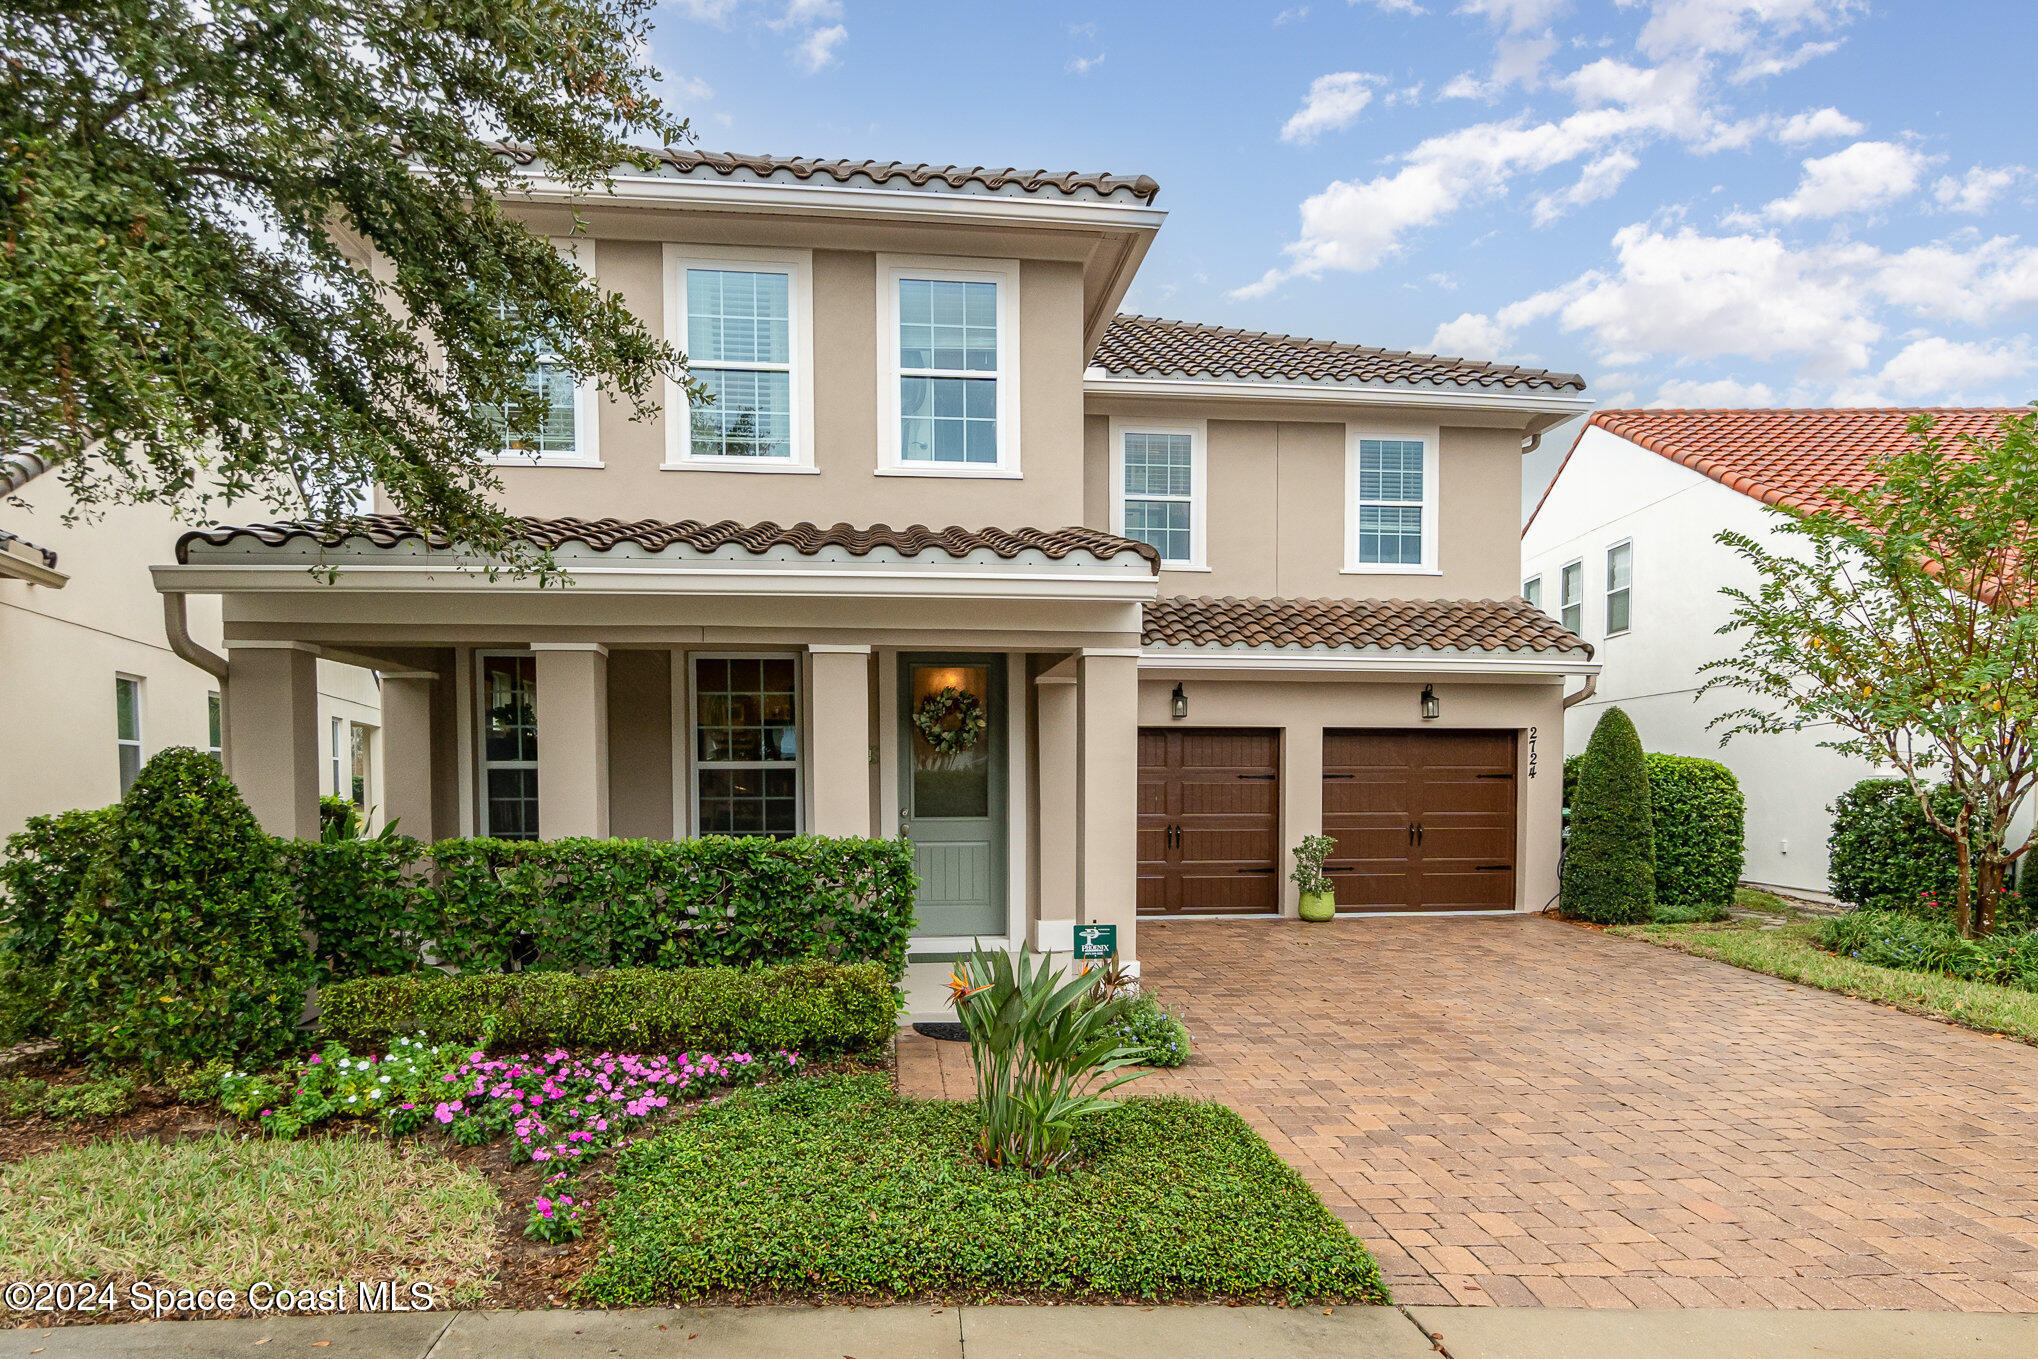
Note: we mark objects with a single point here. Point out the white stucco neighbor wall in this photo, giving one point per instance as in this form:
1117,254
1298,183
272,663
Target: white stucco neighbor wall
1610,491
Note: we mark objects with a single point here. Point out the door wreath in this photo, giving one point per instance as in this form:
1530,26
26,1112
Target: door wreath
950,721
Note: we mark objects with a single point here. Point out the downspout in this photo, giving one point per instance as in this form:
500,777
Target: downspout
1591,688
177,628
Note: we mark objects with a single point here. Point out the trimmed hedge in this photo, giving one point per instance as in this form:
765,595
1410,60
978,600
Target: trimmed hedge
1610,862
44,869
1699,818
817,1009
1885,854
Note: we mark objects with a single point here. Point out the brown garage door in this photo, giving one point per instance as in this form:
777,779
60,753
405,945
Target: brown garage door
1424,820
1209,799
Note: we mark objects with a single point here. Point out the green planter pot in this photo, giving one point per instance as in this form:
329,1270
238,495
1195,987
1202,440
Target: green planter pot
1319,905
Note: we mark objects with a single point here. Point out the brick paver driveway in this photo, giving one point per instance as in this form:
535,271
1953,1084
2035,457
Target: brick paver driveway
1521,1111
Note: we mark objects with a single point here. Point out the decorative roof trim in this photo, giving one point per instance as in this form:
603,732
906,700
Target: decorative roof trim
1230,630
1341,393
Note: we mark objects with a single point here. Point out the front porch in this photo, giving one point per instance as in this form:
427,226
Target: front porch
690,686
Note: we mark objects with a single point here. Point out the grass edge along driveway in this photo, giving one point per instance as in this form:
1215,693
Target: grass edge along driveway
834,1187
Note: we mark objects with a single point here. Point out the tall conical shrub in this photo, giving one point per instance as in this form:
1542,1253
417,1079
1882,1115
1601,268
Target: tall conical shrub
184,944
1610,861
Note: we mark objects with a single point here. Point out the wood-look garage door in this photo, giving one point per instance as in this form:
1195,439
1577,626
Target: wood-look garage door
1209,805
1424,820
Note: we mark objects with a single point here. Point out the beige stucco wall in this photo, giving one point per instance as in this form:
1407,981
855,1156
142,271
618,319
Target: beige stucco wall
1301,709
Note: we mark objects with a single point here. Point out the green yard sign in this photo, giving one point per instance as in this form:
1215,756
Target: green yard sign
1096,941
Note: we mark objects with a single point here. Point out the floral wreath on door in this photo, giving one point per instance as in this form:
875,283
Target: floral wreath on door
951,720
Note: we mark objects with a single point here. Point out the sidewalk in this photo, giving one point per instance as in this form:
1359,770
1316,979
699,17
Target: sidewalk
914,1332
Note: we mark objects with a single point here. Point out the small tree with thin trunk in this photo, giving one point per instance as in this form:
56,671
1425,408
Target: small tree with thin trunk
1903,620
1610,861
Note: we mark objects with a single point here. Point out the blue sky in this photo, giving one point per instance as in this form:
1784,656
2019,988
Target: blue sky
1692,202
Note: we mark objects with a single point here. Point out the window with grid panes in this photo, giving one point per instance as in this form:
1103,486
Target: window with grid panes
746,745
948,371
509,747
1159,492
739,347
1391,502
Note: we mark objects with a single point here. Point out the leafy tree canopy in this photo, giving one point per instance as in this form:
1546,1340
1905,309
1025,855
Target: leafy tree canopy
190,193
1902,622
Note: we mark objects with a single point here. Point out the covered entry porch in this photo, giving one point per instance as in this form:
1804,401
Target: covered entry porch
975,692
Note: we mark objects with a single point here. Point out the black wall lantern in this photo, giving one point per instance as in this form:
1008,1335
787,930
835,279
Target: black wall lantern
1431,709
1178,704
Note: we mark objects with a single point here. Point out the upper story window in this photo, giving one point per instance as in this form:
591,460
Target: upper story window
127,728
557,424
1532,591
745,321
949,400
1392,523
1620,580
1158,472
1571,597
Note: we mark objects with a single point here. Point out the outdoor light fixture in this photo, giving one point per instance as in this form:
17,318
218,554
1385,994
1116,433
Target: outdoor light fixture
1179,704
1431,709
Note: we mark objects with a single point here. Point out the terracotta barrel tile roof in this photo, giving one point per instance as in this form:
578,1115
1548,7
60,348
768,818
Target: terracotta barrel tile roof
657,535
1150,347
1412,624
1788,457
895,173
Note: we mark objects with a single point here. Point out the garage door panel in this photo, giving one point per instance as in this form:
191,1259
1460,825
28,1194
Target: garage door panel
1219,791
1228,893
1246,846
1239,797
1220,748
1466,889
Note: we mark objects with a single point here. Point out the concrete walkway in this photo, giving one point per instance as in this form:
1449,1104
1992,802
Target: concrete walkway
912,1332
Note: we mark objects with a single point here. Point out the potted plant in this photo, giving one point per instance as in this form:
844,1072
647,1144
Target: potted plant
1319,902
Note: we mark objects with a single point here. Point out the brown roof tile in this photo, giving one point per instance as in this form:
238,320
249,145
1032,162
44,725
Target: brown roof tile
1785,457
1415,624
1149,346
683,161
656,535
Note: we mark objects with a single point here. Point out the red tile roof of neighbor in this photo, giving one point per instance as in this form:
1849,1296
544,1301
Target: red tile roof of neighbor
1788,456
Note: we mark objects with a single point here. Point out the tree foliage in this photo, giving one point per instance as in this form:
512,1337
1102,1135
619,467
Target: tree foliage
1903,621
1610,859
189,199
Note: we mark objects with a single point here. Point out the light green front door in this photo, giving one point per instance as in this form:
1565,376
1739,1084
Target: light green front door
952,802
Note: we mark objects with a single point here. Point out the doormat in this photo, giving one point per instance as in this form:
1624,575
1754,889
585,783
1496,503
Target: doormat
943,1031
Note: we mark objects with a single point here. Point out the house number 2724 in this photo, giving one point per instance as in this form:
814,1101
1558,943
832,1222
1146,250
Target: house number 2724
1532,752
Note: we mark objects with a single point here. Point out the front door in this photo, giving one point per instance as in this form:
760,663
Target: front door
1209,804
952,790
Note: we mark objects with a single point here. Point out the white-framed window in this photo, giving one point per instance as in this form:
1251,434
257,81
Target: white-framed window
1532,591
948,346
507,712
360,763
745,320
744,726
334,748
1391,491
1571,597
1159,482
561,430
1620,586
214,744
127,728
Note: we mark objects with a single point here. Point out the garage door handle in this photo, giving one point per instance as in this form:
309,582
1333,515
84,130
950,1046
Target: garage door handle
1255,870
1491,868
1328,777
1496,776
1268,777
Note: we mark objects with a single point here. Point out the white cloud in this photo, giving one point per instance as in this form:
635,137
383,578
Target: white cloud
1938,369
1762,65
1817,125
1471,336
816,51
1597,180
1084,65
1392,6
1291,16
1736,27
807,14
1965,278
1979,188
1864,176
1517,16
1713,393
688,90
714,12
1332,102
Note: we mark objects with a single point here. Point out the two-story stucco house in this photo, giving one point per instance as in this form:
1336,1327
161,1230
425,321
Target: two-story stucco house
1198,592
1622,549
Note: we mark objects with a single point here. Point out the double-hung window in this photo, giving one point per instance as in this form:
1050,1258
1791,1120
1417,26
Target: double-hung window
744,319
950,400
1392,522
746,757
555,422
508,697
1158,470
1532,591
1571,597
127,728
1620,586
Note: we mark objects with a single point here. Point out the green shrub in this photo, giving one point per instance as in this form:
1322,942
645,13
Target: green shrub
45,866
1915,944
338,819
1610,859
1885,854
1698,815
1157,1033
817,1009
27,1000
359,899
835,1187
183,944
21,1097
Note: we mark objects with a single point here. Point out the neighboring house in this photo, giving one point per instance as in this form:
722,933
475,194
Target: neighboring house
1208,591
88,677
1622,551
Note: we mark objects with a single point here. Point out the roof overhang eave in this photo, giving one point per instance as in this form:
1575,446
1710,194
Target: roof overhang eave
1564,405
1410,661
16,564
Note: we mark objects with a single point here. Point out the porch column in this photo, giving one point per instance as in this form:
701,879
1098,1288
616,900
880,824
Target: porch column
1055,807
272,733
573,739
407,762
1109,762
838,739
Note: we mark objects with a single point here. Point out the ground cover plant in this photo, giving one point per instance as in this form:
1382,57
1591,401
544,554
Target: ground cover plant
1156,1033
1792,952
1931,944
65,1101
833,1186
225,1212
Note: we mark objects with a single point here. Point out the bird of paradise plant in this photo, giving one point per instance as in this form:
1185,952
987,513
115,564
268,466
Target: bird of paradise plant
1040,1046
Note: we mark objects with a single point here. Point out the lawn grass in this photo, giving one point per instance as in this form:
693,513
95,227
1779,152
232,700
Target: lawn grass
1768,903
834,1187
220,1212
1788,952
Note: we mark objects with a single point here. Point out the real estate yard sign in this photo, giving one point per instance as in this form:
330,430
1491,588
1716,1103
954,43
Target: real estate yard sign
1096,942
